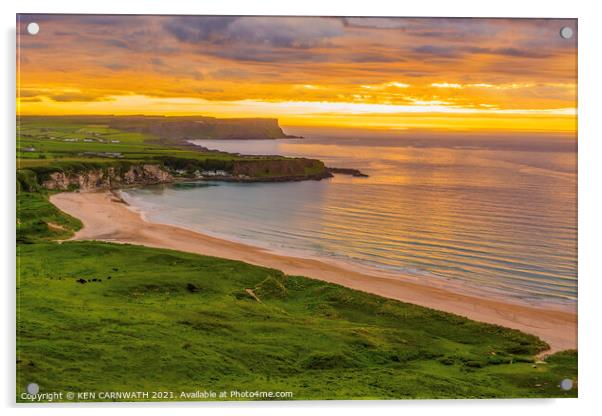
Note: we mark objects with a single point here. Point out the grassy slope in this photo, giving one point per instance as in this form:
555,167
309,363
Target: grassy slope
39,220
166,320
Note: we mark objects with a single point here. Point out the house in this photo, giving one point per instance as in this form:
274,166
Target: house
103,154
214,173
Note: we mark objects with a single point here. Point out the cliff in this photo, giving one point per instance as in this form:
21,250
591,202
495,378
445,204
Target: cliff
106,178
91,177
279,170
174,129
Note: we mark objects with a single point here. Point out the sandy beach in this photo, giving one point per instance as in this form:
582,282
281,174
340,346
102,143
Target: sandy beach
106,218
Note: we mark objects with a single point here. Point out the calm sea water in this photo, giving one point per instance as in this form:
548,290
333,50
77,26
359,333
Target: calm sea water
484,212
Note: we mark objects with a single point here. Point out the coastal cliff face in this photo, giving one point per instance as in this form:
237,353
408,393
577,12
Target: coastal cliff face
253,170
280,169
107,178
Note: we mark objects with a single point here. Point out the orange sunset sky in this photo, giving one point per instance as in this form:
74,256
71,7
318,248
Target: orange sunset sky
395,73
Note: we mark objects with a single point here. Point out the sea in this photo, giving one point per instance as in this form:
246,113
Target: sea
490,213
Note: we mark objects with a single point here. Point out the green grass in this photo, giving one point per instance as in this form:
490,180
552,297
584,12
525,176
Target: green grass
164,320
47,137
39,220
50,148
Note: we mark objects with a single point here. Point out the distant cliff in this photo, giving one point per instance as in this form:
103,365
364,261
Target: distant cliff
173,129
181,128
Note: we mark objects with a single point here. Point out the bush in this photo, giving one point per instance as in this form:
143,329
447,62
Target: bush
27,181
270,288
446,360
323,361
474,364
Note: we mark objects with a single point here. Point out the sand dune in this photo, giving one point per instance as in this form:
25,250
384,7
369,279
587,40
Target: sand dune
107,219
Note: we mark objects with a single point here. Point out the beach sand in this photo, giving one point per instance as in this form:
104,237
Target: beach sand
106,218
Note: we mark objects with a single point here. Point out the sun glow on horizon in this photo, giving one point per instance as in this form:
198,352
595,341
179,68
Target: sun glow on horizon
427,115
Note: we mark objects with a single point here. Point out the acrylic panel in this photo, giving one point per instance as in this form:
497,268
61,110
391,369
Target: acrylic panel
295,208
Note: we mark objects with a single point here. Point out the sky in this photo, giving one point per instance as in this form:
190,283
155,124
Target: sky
389,73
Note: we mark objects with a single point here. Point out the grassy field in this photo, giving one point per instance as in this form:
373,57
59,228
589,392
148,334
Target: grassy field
44,144
106,317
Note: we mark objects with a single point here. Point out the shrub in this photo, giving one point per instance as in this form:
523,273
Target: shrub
27,181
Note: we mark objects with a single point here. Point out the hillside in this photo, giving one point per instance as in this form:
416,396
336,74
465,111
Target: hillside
97,316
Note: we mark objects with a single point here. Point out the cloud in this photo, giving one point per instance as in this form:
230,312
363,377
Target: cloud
194,29
231,73
462,51
446,85
116,66
455,29
257,39
269,55
77,97
118,43
30,99
65,33
30,93
439,51
431,34
367,57
231,58
279,32
376,22
35,45
157,61
512,52
106,20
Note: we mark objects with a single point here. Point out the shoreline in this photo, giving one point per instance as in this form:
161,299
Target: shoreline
107,218
441,283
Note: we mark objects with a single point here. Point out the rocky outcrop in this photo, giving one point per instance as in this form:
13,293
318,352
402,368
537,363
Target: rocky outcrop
107,178
348,171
